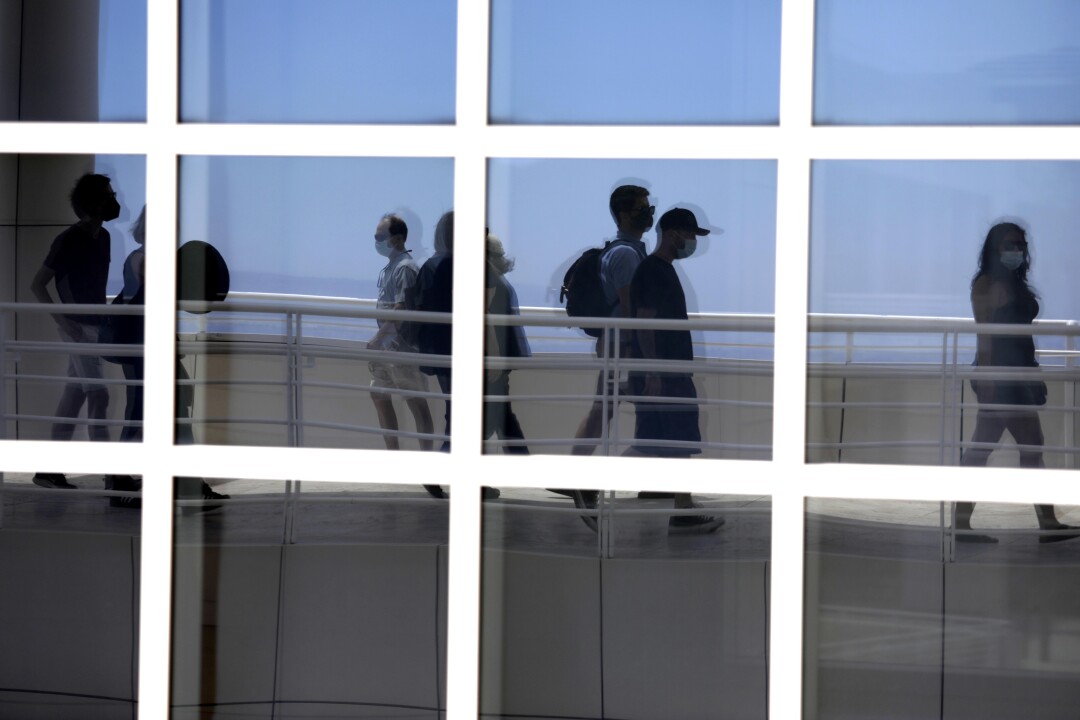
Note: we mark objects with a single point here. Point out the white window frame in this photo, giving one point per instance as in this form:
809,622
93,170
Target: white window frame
794,143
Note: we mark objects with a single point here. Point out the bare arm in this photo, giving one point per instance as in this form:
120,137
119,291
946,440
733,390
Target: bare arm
39,286
987,297
387,327
647,342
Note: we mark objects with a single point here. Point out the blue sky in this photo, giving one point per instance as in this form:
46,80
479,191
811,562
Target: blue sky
886,237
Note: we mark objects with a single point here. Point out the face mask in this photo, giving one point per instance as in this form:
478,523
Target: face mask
1012,259
383,247
688,248
110,210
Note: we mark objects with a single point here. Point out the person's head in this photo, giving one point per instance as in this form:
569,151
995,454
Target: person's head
93,198
444,233
138,228
390,234
679,232
1005,252
496,256
630,209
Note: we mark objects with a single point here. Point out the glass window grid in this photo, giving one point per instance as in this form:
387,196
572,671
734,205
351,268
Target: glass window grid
786,478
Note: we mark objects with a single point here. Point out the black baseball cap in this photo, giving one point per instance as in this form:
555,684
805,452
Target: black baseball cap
680,219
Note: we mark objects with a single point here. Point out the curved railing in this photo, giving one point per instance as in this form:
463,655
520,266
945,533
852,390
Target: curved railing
843,349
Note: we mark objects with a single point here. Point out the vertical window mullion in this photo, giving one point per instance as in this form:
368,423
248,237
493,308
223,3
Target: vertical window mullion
156,548
470,171
789,389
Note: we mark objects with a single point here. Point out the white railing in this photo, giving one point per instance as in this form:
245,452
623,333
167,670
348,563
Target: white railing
299,329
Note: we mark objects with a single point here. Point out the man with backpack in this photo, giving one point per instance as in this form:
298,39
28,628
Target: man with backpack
618,260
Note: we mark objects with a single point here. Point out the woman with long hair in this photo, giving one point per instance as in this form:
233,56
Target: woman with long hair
1001,293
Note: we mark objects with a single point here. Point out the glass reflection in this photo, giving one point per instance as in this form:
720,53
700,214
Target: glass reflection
283,341
318,61
301,600
942,326
70,234
909,614
609,609
560,61
980,62
73,61
69,561
664,347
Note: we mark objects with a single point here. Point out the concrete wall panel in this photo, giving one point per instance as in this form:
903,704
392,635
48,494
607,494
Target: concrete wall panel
359,625
540,635
70,622
684,639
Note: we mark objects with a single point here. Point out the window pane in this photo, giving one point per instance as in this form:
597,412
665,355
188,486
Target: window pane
908,617
299,600
78,60
896,288
321,61
922,62
311,349
55,387
562,61
623,609
714,388
70,596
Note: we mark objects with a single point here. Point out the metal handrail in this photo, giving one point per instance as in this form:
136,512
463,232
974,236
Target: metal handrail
295,346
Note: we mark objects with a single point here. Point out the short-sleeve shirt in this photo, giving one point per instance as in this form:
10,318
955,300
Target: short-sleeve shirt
397,283
617,267
80,263
656,285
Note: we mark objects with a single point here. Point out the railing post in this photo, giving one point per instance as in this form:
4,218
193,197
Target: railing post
298,407
605,337
290,371
1069,421
616,376
945,425
3,375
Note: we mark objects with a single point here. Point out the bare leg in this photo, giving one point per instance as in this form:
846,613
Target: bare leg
71,402
422,417
384,406
97,406
989,427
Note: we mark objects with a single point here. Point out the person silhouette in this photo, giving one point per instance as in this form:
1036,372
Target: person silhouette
657,293
503,341
78,267
397,287
1001,294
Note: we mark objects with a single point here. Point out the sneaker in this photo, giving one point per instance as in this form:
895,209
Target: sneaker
53,480
129,502
694,524
207,494
1046,539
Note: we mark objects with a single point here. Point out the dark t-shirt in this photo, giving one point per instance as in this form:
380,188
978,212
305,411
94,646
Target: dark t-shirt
81,265
656,285
435,293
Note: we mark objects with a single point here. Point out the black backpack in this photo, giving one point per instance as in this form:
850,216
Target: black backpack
582,290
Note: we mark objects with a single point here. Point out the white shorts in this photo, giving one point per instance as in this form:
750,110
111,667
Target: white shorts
85,369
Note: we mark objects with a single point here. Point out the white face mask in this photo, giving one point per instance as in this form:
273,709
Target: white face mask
688,248
1012,259
383,247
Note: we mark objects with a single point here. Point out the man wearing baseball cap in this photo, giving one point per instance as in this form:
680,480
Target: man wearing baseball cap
657,293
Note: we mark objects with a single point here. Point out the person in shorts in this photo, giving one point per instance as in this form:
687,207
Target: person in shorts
397,284
78,268
666,427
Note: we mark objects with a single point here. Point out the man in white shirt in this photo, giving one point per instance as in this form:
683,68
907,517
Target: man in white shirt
397,283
